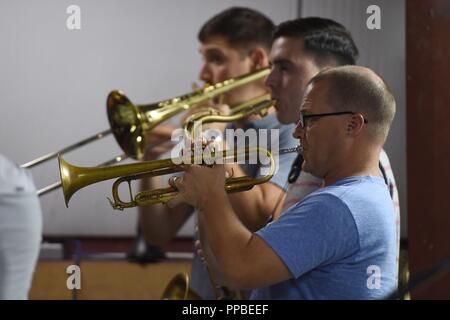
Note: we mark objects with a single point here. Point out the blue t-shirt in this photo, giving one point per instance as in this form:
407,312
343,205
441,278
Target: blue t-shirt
338,243
280,138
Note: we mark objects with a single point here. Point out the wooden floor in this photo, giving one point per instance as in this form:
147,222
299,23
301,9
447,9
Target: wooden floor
114,279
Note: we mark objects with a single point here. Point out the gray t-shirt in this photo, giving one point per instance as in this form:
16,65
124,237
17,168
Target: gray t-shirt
338,243
279,136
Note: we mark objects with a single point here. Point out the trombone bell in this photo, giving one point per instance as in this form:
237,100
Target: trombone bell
127,124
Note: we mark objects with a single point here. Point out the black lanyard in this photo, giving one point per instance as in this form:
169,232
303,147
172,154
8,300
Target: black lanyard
296,168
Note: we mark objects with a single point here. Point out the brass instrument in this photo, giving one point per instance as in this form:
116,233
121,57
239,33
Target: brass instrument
51,155
74,146
58,184
259,105
178,289
129,122
74,178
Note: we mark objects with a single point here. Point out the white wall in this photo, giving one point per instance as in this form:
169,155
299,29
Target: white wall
54,84
383,51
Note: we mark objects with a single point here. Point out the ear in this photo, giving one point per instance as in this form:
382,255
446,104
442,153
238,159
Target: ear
355,125
259,58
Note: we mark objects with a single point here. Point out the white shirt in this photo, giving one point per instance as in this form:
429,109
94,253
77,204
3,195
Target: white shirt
20,230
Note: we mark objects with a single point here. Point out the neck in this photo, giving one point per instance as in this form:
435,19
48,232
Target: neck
362,165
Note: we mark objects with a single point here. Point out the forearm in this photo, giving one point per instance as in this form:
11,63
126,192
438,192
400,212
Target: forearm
255,207
227,237
245,259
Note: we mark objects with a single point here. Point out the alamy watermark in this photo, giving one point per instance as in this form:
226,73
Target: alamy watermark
208,147
73,21
74,279
374,279
373,22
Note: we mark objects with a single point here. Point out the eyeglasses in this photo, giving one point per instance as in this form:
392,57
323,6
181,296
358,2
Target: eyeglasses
304,118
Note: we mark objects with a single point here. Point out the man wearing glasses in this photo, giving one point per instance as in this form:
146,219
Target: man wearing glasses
300,49
339,242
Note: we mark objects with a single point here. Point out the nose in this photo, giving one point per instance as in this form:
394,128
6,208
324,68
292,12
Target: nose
205,73
299,132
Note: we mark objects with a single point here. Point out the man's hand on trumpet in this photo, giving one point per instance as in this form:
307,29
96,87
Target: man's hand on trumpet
199,185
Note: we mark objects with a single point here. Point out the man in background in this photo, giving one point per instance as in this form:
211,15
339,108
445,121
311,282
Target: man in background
232,43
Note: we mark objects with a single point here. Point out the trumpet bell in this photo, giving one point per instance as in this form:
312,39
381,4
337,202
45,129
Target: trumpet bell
69,182
178,289
74,178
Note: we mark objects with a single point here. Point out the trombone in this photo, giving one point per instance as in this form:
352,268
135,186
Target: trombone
74,146
129,123
67,149
74,178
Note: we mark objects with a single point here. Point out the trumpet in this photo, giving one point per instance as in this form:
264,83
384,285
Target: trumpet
57,184
129,123
74,178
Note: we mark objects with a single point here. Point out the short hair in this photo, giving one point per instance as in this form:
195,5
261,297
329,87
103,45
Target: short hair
325,40
358,89
243,28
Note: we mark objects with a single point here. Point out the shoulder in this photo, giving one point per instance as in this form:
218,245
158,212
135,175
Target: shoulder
319,205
